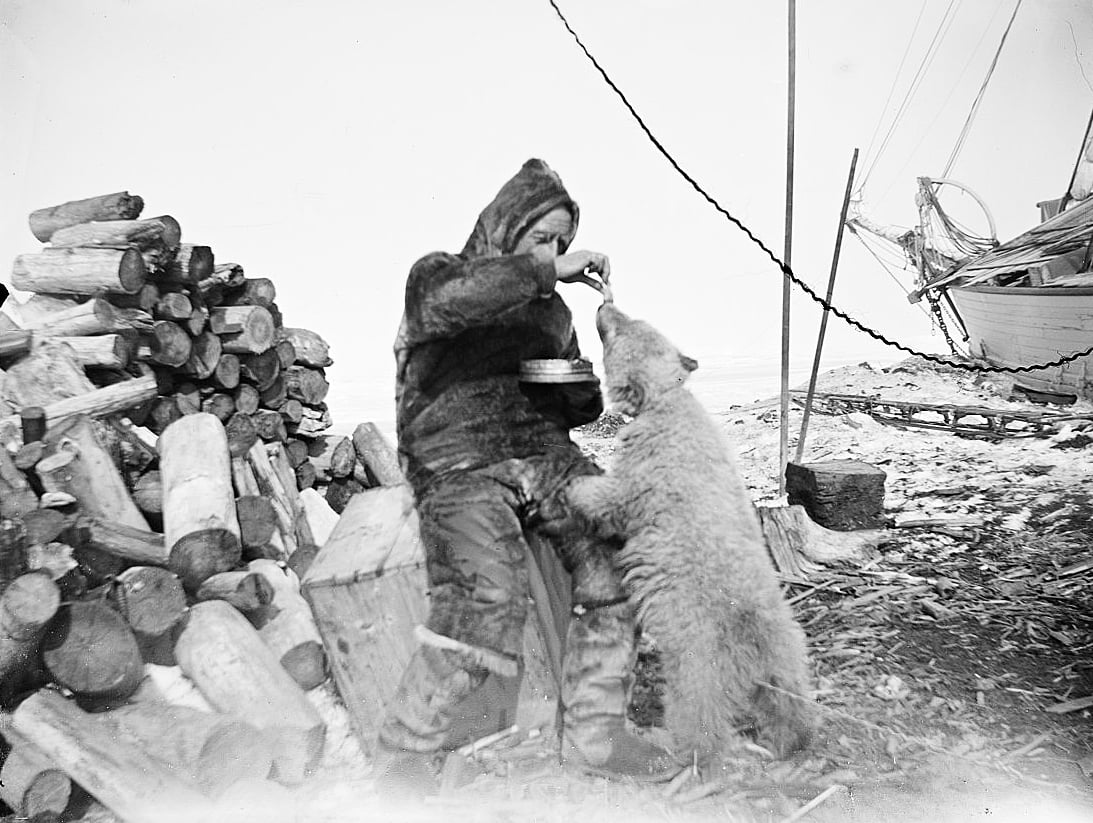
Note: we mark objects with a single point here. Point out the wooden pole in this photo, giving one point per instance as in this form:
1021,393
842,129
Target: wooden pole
823,317
783,432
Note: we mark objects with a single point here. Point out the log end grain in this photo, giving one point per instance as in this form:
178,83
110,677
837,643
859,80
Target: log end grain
132,271
90,649
199,555
28,604
306,662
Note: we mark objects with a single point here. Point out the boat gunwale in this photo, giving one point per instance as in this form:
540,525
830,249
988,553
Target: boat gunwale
1035,291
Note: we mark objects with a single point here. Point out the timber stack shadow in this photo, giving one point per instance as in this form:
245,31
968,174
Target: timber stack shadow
166,482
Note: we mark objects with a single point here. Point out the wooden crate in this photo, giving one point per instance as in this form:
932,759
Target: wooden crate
367,588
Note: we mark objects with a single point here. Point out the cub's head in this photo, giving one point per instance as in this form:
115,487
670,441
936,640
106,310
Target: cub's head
639,361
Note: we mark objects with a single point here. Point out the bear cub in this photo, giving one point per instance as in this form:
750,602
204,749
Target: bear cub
694,560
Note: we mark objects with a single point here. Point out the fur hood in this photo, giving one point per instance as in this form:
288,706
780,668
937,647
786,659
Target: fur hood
532,192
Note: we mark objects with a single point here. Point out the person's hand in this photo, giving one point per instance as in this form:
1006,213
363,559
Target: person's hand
580,266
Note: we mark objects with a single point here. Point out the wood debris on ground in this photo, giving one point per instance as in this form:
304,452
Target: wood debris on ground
167,477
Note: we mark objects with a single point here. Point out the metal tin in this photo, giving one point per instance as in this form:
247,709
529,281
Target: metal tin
578,370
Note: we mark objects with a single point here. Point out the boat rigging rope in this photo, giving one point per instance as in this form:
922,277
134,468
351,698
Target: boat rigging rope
787,271
916,80
979,97
934,313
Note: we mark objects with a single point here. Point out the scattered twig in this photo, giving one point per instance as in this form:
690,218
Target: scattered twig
1075,705
814,802
1033,744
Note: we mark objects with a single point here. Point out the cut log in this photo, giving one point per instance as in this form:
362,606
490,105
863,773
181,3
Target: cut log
151,599
32,423
191,265
281,466
799,546
377,455
166,343
332,455
209,750
151,233
286,352
248,591
290,630
16,496
51,372
108,351
173,305
205,355
306,385
270,426
257,521
188,397
120,775
91,476
225,276
14,344
243,477
320,517
28,455
143,300
243,329
220,405
80,271
241,677
340,491
253,291
240,431
134,545
94,316
30,783
315,421
839,494
197,321
226,373
296,451
305,476
163,412
199,520
274,395
117,206
311,349
26,607
96,403
90,650
260,369
44,525
270,485
247,399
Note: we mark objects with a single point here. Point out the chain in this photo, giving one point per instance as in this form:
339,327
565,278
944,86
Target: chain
785,268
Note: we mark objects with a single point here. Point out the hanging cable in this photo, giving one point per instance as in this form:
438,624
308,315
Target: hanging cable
916,80
786,270
895,80
979,97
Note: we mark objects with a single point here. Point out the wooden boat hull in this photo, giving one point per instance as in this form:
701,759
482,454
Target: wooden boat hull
1018,326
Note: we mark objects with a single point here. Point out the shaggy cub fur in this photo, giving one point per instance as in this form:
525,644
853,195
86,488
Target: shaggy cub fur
694,560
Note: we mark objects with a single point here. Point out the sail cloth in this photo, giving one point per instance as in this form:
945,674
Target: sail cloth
1083,174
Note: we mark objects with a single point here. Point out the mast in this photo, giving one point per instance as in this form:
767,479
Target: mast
783,431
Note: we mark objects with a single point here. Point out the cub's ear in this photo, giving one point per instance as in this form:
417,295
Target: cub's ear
688,363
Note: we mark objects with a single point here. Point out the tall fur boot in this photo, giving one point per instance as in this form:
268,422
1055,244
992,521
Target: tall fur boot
419,716
596,682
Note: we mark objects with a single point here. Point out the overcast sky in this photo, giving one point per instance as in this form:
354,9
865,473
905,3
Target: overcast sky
327,145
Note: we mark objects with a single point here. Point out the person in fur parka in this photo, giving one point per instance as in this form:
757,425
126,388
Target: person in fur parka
483,452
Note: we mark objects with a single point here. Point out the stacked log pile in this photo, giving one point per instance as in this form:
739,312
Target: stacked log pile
165,477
